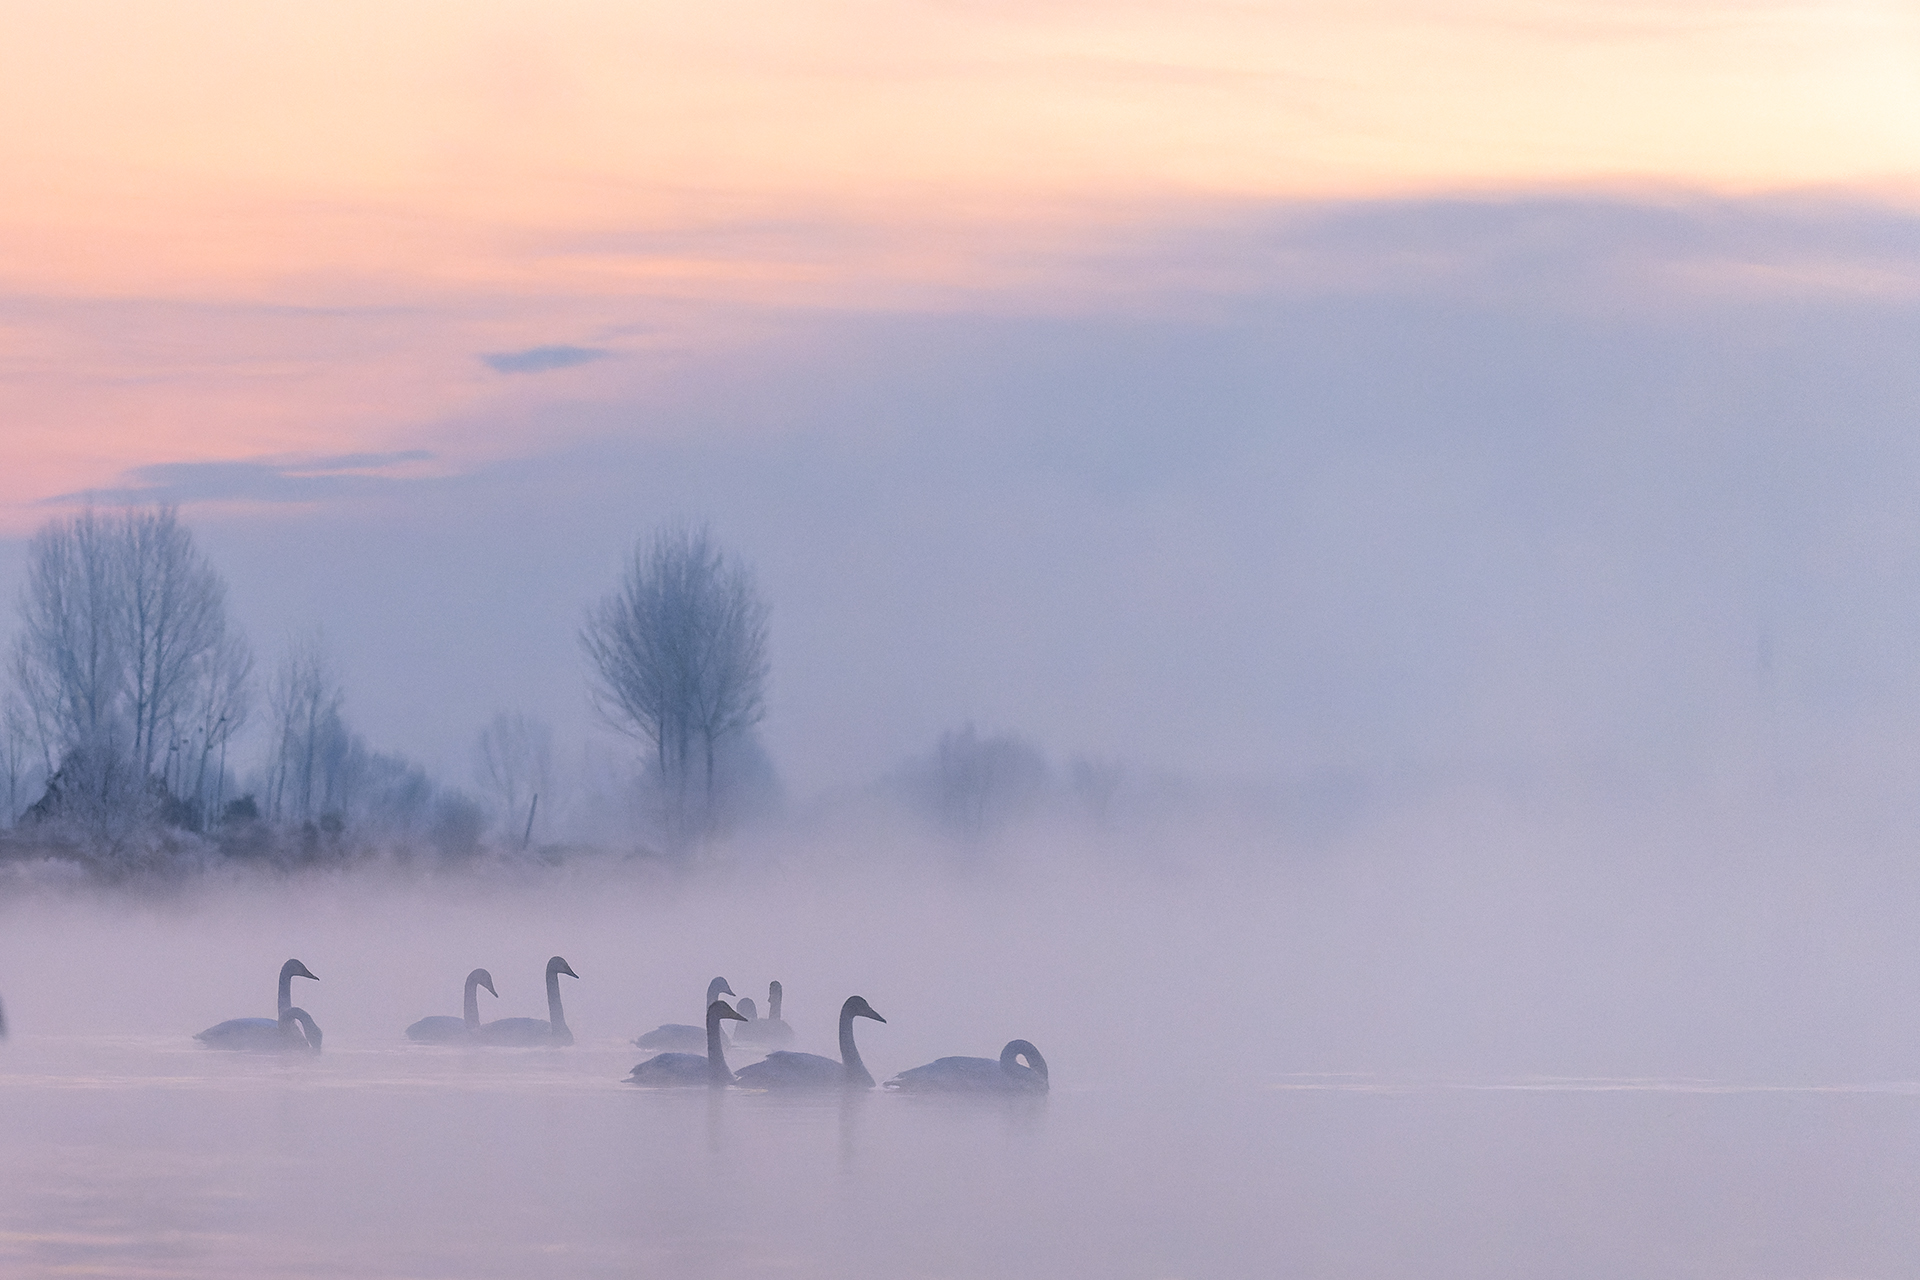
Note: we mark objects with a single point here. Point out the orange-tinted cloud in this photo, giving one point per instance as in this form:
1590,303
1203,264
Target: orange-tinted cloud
406,186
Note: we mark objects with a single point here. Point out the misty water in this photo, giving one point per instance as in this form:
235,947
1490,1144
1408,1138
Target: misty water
1486,1056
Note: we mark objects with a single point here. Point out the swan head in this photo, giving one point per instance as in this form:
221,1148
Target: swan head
1017,1049
774,990
481,978
721,1009
307,1025
555,965
857,1007
717,988
748,1009
294,969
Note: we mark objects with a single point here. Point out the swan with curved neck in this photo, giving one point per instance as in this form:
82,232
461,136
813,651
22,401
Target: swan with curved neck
441,1029
979,1075
254,1033
784,1069
678,1036
678,1070
533,1031
298,1031
771,1029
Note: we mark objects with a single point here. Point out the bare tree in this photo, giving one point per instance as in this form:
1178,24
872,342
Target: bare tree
67,658
311,743
979,784
513,761
172,615
679,657
223,700
124,634
23,768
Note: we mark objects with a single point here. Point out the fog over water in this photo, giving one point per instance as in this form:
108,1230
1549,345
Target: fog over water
1497,624
1473,1044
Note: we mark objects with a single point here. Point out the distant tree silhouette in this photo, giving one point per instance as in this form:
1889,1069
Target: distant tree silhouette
679,655
124,645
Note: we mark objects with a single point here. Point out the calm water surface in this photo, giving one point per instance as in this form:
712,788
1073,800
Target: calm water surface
147,1156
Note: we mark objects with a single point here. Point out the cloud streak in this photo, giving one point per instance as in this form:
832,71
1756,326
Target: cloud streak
257,480
542,359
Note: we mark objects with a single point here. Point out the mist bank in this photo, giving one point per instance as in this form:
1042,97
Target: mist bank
1462,937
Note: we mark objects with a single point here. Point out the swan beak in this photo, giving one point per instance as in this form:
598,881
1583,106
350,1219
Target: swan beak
876,1017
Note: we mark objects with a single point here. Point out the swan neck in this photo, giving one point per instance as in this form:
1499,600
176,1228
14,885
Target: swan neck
286,992
773,1002
554,1013
717,1070
850,1052
471,1009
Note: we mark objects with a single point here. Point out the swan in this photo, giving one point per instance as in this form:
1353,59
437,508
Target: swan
768,1030
531,1031
680,1037
295,1032
783,1069
307,1036
677,1070
440,1029
979,1075
250,1033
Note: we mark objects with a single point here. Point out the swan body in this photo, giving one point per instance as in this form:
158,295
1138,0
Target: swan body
768,1030
979,1075
253,1033
784,1069
678,1070
680,1037
295,1032
552,1030
441,1029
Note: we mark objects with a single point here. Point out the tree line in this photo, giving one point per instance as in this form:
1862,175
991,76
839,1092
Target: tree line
129,683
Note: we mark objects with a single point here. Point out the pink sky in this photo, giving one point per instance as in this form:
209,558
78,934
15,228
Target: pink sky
234,231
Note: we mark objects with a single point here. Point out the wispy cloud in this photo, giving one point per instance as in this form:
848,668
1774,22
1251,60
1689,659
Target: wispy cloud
274,479
541,359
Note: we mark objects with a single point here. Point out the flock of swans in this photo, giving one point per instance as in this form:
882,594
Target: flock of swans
685,1055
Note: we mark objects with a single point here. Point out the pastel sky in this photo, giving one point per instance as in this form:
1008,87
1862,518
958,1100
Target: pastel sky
424,310
236,230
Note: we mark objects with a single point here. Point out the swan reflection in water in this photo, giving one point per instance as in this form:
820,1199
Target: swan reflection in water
679,1070
261,1033
979,1075
784,1069
441,1029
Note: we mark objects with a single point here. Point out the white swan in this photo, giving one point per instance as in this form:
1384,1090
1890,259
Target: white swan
680,1037
441,1029
979,1075
678,1070
784,1069
533,1031
253,1033
771,1029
